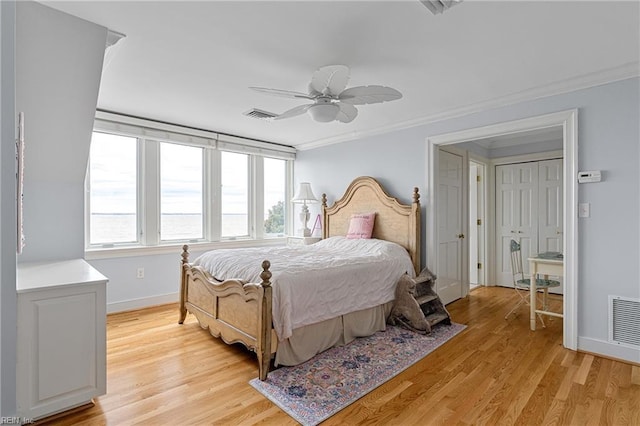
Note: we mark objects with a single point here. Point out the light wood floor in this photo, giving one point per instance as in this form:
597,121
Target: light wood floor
497,371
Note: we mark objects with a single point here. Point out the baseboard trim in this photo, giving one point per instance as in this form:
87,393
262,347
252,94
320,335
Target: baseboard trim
145,302
609,350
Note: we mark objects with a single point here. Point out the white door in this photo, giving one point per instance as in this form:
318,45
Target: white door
551,211
529,210
473,224
450,231
550,208
516,215
476,225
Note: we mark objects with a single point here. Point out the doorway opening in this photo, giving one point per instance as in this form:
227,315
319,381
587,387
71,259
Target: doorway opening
567,122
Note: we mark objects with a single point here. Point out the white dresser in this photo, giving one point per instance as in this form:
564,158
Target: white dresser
61,337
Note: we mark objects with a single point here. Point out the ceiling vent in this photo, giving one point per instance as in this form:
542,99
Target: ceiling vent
258,113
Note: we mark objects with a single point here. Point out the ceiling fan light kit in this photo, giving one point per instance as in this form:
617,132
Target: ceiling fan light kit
324,113
331,100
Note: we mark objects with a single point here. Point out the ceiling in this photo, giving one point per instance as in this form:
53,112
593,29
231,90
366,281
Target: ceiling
191,63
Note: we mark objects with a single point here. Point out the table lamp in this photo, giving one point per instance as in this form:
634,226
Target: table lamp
303,196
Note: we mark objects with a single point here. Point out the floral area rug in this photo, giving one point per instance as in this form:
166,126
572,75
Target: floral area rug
315,390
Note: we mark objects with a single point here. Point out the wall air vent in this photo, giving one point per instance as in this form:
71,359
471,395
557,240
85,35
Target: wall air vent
624,321
258,113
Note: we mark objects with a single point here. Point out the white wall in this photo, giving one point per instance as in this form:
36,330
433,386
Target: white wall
59,64
8,235
160,284
608,139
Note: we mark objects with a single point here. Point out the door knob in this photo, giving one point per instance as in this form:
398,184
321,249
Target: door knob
460,235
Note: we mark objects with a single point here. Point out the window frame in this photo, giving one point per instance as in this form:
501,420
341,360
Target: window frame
87,200
250,204
149,135
202,200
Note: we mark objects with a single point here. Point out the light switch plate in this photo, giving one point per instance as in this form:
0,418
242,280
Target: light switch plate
584,210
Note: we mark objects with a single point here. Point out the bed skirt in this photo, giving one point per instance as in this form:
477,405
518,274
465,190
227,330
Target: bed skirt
310,340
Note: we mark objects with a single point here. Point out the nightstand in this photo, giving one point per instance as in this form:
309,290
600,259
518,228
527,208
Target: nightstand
302,241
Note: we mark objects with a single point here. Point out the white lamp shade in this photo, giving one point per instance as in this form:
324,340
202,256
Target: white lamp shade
304,194
324,112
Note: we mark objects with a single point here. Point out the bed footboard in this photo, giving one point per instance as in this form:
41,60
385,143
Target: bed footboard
234,310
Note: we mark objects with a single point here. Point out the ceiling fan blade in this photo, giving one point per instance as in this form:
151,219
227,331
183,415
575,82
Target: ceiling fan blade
330,80
347,112
301,109
361,95
283,93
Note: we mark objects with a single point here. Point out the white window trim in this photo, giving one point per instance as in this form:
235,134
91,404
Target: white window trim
175,247
148,129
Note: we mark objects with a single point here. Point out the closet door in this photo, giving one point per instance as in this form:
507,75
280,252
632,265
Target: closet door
516,215
529,209
551,209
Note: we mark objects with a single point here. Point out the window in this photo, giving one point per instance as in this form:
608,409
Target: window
235,194
112,189
154,184
275,177
181,202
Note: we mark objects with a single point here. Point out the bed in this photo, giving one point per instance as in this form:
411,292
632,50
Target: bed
252,302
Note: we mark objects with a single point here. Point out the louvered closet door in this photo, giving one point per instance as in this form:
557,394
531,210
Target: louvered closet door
516,215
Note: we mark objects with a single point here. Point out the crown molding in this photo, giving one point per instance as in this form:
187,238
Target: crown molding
610,75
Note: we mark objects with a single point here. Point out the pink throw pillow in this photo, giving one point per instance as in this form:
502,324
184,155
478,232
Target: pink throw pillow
361,225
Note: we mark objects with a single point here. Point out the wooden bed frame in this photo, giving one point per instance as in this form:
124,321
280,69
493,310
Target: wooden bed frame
240,312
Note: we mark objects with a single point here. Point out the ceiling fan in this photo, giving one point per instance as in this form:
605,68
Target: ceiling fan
331,100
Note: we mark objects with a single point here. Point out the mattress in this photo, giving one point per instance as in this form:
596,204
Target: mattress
318,282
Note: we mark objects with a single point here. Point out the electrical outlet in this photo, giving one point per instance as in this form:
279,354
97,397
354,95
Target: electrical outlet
140,273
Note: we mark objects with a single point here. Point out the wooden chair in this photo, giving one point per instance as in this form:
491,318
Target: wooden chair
521,282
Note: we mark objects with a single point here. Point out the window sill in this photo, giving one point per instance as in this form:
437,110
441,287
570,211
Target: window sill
176,248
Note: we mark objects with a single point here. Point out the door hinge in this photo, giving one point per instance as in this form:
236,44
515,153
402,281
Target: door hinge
479,222
477,178
479,265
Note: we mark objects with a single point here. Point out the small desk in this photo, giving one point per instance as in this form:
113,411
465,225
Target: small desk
543,264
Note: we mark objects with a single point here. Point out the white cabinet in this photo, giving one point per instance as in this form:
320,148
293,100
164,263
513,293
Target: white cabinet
61,337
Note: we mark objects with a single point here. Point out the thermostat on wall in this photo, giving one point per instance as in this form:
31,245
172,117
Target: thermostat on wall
589,176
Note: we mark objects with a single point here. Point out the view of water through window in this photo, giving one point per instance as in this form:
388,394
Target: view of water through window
108,227
114,189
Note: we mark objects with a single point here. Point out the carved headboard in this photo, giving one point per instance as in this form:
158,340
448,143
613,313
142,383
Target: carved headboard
396,222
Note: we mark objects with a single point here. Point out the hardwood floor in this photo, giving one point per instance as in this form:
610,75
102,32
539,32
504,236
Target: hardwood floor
496,371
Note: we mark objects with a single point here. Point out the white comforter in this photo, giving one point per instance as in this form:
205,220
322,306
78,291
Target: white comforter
320,281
